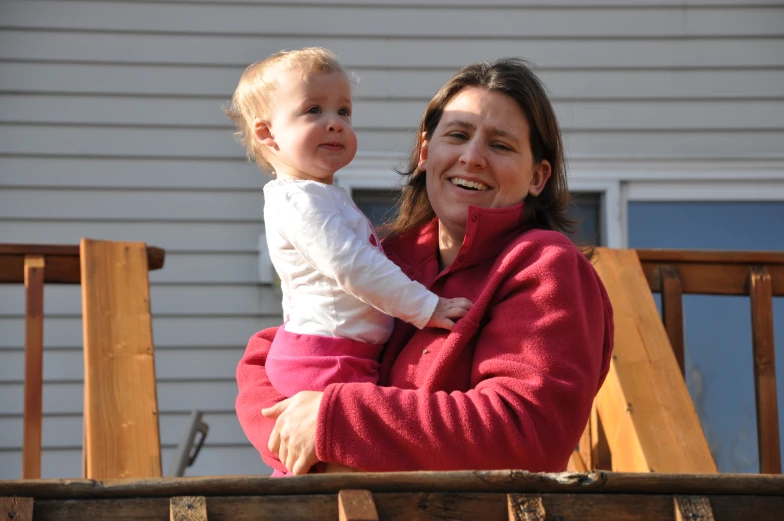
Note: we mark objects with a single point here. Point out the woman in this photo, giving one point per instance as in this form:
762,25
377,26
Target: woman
511,385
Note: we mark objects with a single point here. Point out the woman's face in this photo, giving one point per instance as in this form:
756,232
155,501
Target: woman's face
479,155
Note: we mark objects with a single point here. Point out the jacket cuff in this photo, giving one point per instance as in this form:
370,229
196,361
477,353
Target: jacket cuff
428,308
324,424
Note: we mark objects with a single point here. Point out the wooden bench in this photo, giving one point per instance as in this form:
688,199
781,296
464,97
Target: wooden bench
121,437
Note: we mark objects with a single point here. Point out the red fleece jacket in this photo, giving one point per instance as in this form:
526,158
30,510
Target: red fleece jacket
510,386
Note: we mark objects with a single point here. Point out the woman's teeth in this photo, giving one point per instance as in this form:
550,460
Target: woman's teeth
471,185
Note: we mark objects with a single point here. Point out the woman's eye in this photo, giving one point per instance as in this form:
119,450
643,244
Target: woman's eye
314,110
458,135
502,146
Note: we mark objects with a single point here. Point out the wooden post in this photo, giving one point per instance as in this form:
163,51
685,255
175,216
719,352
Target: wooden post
524,507
760,290
356,505
188,508
692,508
33,378
672,311
121,413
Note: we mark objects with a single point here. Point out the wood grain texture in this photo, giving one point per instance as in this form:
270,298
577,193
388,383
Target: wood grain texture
422,505
764,370
600,451
16,508
356,505
122,437
583,452
692,508
62,262
524,507
712,278
34,270
498,481
188,508
644,405
672,311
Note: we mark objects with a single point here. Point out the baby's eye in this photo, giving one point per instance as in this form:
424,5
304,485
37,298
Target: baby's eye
314,110
345,112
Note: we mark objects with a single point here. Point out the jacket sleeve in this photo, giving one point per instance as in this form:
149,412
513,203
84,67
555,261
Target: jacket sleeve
541,353
319,232
255,393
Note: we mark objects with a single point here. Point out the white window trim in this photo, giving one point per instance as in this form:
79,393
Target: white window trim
622,181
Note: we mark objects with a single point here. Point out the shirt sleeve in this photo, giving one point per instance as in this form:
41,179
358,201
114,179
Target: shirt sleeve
255,393
313,224
540,358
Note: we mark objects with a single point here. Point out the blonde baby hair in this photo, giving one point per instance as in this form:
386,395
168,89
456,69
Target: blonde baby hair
253,96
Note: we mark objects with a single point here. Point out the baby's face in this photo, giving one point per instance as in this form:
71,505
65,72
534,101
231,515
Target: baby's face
311,126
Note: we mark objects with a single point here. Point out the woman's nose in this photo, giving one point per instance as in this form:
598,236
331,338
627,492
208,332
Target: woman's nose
473,156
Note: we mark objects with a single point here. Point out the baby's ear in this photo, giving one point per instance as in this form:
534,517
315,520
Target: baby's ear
263,133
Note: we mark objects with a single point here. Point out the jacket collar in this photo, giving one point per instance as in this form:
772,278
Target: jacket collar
488,231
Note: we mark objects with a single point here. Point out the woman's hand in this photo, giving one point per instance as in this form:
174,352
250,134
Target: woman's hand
294,437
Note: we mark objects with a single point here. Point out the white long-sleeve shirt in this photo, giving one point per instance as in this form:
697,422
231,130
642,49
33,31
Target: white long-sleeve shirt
336,281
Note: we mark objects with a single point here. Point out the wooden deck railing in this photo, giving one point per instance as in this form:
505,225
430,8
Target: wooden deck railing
760,276
115,293
644,418
501,495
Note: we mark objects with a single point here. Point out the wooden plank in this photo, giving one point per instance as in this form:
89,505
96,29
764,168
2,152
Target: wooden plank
33,372
764,370
62,262
600,451
16,508
422,505
121,413
692,508
714,278
356,505
584,451
188,508
672,311
523,507
499,481
710,256
644,405
576,463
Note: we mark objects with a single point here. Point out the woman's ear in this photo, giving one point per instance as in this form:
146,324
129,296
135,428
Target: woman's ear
422,166
263,133
540,177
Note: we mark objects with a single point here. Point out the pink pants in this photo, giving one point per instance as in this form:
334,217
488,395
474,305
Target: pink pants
311,362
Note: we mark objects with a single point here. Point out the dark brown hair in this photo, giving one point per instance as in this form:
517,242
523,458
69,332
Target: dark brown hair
514,78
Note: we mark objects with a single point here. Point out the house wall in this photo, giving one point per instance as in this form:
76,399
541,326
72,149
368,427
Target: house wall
111,127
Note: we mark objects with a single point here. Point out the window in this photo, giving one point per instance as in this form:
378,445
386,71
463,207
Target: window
379,206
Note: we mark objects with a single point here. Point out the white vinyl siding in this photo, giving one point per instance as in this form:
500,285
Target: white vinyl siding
111,127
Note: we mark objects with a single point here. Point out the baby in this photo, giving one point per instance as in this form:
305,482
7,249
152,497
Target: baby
292,112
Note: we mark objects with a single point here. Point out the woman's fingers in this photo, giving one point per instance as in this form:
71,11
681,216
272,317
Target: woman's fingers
293,438
276,410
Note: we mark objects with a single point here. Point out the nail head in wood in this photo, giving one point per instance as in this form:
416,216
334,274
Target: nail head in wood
524,507
16,508
356,505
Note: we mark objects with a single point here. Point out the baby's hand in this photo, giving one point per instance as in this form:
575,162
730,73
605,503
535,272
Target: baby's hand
447,311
